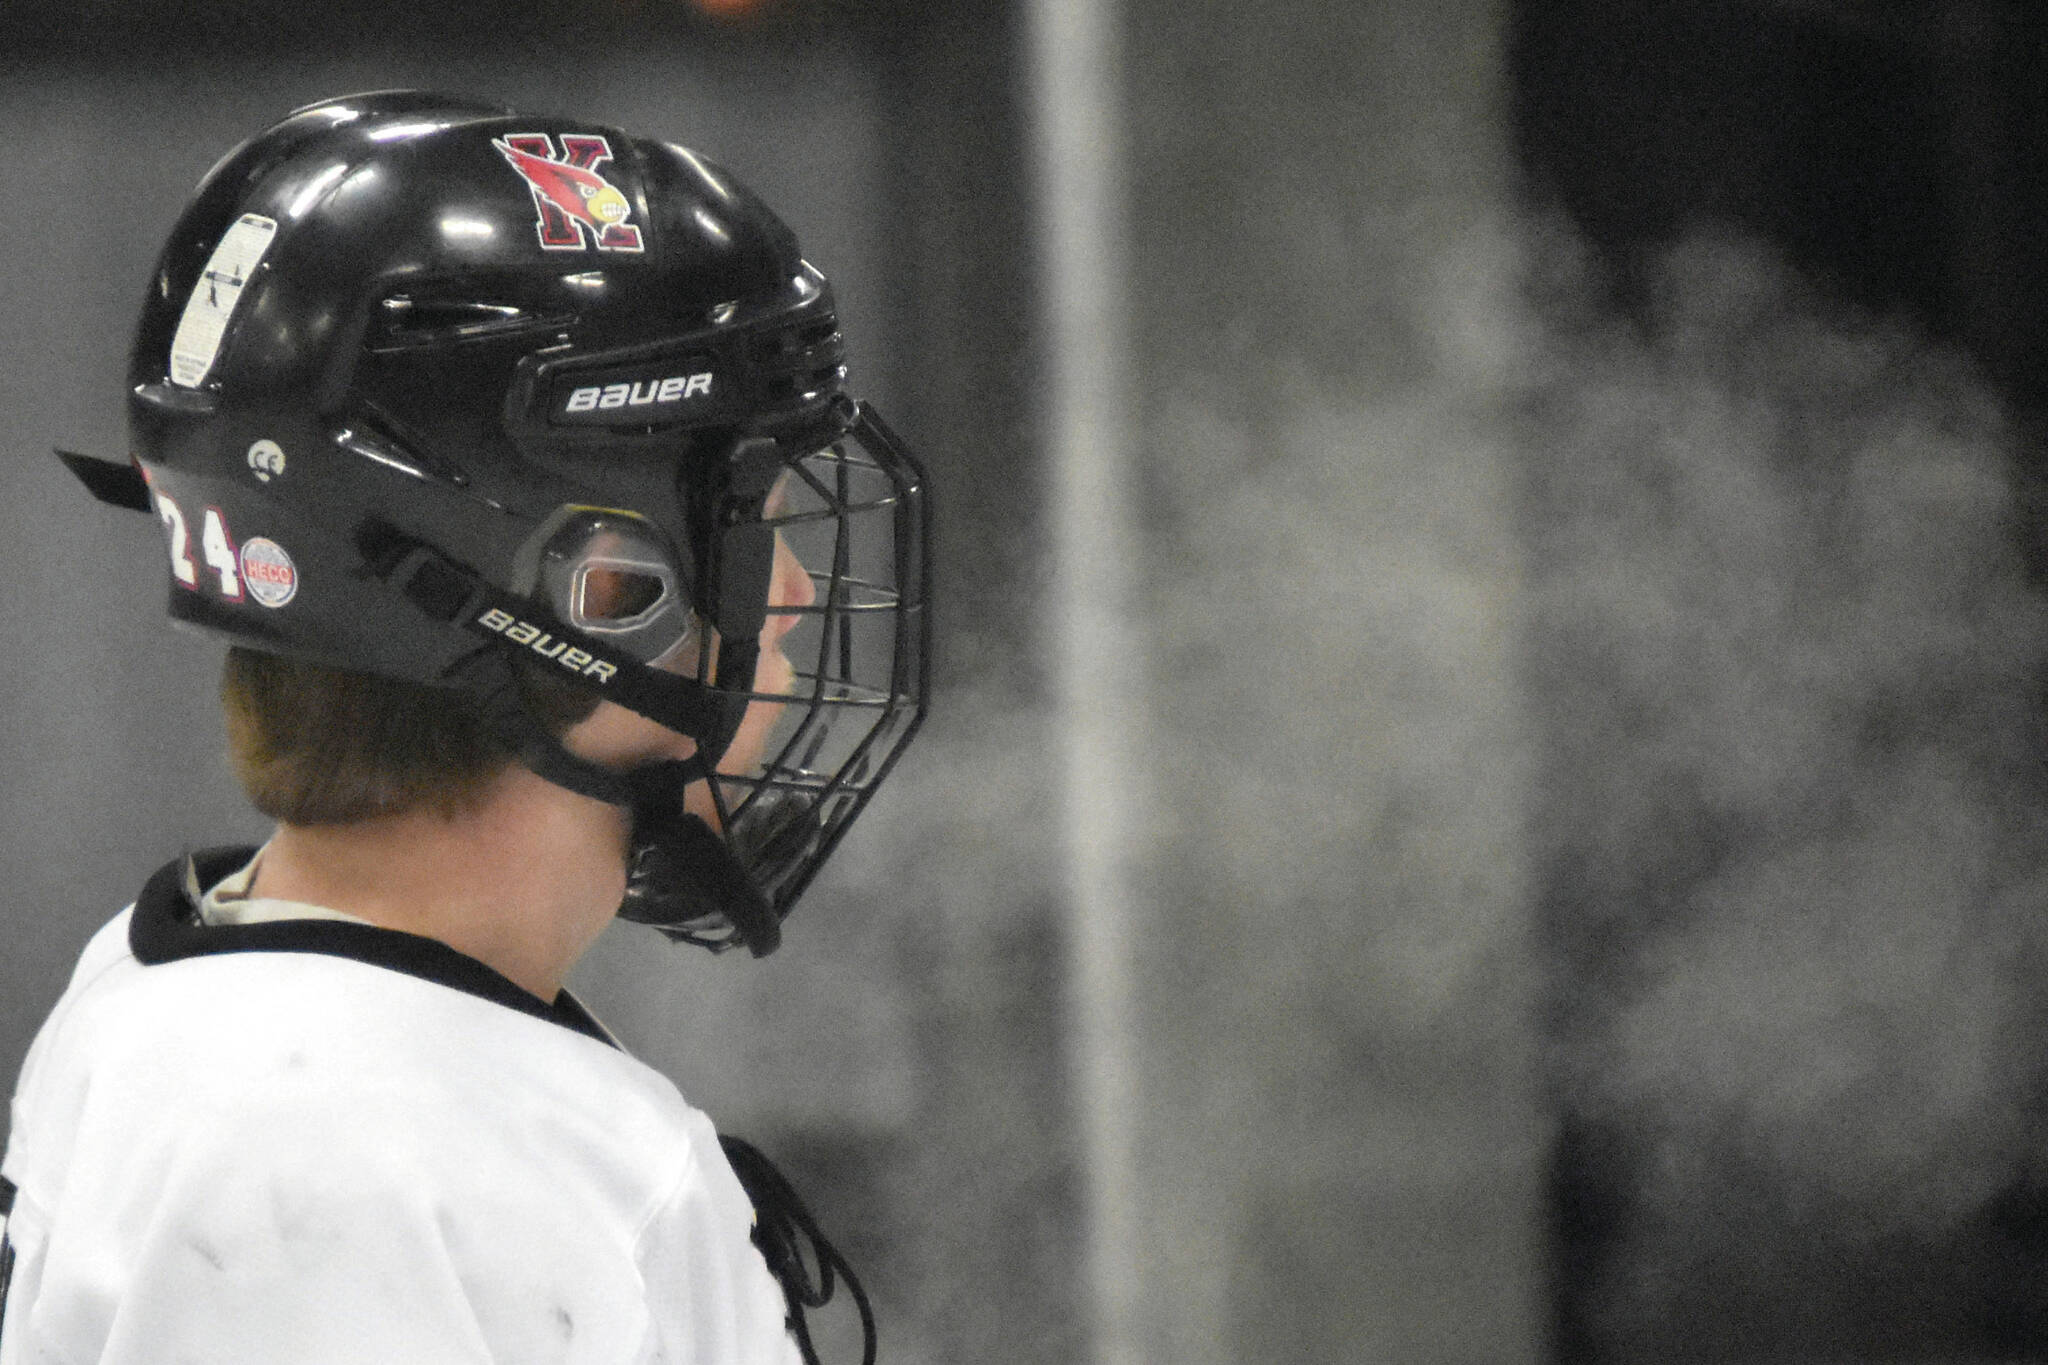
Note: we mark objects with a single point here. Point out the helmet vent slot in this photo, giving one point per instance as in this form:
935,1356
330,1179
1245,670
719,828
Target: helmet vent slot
404,321
795,341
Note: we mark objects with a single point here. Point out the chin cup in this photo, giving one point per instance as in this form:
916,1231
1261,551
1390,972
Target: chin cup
683,880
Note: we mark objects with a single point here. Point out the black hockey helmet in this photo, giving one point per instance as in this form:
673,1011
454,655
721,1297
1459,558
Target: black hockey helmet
423,386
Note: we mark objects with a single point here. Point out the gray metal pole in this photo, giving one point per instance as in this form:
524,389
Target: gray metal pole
1077,132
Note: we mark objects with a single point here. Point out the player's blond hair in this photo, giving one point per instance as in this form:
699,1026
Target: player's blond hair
314,745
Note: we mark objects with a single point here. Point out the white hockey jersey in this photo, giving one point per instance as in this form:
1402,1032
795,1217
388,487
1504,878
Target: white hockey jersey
317,1141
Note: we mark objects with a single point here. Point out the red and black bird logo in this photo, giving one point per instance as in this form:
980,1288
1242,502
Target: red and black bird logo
578,207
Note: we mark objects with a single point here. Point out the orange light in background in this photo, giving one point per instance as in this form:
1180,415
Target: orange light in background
728,9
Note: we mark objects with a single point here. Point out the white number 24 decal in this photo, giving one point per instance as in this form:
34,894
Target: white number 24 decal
214,544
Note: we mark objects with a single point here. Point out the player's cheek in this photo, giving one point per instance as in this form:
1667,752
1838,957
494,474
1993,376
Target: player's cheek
791,585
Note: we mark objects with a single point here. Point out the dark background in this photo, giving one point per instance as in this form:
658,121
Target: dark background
1894,154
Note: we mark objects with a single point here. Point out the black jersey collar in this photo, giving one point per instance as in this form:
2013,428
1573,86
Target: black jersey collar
166,927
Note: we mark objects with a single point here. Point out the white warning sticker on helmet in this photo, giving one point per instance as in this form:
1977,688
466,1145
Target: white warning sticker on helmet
212,301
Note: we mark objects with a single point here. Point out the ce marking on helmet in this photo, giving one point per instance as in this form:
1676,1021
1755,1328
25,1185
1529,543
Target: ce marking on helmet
547,646
266,461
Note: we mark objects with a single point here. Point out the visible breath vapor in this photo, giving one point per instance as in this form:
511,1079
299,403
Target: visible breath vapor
1340,1118
1793,811
1748,576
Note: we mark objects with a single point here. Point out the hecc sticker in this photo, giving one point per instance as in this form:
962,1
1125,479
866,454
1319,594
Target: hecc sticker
212,302
268,572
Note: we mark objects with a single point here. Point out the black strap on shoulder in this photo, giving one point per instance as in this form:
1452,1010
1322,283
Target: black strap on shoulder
6,1249
780,1221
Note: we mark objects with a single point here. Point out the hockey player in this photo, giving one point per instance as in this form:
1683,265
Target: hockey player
562,579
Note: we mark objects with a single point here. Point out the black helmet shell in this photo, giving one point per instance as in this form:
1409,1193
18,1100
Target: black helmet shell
434,341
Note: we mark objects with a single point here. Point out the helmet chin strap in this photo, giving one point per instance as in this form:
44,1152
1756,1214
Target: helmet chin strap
681,877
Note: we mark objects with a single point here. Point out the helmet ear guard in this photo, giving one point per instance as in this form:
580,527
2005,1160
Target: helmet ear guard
611,575
456,598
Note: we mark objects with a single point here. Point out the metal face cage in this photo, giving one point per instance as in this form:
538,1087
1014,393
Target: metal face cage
843,676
